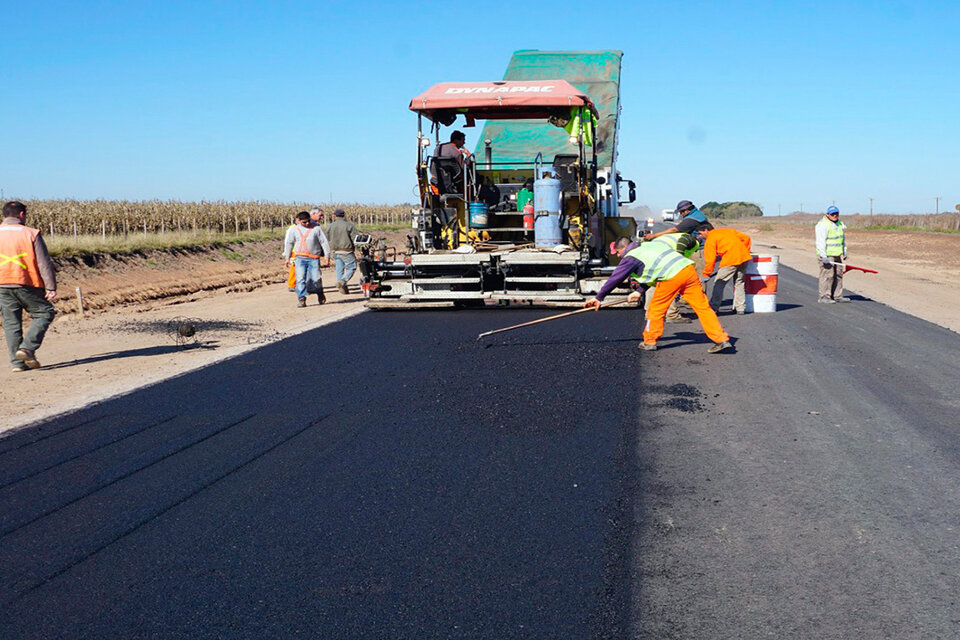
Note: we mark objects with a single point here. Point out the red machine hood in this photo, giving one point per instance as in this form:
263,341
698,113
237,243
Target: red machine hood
501,100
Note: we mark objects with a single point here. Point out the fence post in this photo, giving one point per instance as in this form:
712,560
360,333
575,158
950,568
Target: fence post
79,300
103,228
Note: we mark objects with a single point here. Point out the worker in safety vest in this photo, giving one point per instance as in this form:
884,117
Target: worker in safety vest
27,282
304,245
316,217
831,244
660,264
733,249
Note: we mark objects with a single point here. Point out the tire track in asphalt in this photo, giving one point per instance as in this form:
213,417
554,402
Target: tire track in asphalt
13,529
86,452
140,523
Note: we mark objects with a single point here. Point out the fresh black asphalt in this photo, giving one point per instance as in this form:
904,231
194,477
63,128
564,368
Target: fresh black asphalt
389,477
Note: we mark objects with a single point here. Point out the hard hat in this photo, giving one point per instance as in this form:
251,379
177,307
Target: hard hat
831,210
684,205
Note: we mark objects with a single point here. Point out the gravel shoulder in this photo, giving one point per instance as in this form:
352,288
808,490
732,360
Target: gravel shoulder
235,296
918,272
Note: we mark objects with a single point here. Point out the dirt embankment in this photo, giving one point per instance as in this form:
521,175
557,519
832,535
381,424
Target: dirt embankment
236,298
177,275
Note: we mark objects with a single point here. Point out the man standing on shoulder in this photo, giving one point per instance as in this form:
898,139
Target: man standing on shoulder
27,281
341,233
831,245
733,248
304,245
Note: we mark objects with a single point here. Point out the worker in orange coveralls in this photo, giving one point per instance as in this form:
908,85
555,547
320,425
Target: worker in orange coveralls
662,264
733,249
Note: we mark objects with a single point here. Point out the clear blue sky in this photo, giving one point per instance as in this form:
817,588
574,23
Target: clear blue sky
776,103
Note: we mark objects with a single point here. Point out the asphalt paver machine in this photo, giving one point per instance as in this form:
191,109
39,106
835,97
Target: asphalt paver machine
527,217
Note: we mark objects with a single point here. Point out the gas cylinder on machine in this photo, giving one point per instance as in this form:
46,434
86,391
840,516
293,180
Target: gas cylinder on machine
547,194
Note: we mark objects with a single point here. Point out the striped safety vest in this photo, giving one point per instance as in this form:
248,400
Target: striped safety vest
18,262
660,261
835,238
301,250
673,239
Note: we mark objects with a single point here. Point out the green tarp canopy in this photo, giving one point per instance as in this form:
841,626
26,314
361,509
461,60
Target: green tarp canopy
596,73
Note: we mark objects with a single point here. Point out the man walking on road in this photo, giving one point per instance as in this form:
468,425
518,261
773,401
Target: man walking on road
831,246
661,264
341,233
28,282
304,245
733,248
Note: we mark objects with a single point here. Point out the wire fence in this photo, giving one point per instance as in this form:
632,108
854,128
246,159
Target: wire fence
124,218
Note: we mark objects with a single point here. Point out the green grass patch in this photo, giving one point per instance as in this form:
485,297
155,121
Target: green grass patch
66,246
230,254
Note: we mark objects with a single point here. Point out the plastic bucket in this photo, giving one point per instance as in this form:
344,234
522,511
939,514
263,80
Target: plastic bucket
546,230
761,283
478,215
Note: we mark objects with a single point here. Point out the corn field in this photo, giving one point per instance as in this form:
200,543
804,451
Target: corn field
942,222
124,218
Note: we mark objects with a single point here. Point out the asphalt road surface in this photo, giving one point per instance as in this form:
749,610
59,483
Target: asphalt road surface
389,477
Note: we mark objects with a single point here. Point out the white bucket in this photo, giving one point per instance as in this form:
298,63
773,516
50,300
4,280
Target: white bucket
761,283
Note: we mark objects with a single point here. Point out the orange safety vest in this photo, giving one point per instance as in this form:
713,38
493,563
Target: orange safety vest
301,250
18,262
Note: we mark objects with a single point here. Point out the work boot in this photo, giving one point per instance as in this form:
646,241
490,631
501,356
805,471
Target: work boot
827,301
842,299
344,289
27,357
720,346
740,312
301,302
678,320
645,346
321,298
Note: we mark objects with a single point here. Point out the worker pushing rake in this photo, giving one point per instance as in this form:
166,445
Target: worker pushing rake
659,263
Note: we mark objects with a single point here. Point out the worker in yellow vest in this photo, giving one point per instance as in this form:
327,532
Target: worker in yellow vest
660,263
831,243
27,282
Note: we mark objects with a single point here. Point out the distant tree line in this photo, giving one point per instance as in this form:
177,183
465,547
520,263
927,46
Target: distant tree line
731,210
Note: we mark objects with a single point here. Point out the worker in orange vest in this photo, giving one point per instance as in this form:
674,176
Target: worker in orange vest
733,249
303,246
316,218
27,282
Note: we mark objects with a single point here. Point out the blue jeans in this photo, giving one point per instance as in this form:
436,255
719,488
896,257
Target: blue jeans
308,276
346,265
